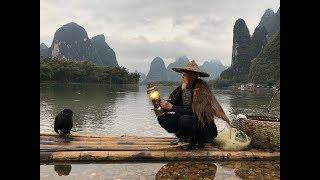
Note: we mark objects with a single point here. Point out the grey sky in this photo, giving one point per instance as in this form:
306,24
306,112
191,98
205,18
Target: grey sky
139,30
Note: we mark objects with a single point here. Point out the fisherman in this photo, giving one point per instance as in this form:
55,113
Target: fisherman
194,107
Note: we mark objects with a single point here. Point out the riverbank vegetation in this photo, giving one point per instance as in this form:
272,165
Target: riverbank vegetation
65,70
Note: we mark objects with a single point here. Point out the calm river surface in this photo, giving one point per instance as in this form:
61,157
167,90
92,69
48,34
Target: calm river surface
125,109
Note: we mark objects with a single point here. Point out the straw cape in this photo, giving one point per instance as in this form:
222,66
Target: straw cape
192,67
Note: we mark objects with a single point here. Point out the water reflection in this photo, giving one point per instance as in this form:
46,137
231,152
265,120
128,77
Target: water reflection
220,170
187,170
62,169
165,170
254,169
255,102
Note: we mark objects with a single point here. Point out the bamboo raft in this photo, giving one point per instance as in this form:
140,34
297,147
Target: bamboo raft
78,148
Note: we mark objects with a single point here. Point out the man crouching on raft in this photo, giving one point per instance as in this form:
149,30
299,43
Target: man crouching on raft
194,107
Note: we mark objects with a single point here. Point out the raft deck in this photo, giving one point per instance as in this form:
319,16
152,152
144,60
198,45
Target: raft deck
78,148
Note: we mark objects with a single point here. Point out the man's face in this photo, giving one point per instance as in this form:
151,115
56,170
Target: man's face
187,77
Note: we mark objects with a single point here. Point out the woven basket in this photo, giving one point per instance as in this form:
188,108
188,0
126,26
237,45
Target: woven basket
264,131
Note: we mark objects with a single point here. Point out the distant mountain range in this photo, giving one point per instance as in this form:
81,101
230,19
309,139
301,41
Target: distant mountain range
159,73
179,62
247,50
214,67
71,41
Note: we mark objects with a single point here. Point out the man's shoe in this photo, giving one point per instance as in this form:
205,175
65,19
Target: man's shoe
174,141
191,146
201,144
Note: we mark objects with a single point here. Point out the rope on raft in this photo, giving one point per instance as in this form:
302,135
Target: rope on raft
269,106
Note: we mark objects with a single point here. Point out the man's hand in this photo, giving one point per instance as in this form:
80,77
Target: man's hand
166,105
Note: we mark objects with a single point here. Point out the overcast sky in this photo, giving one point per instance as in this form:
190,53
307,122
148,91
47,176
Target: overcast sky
140,30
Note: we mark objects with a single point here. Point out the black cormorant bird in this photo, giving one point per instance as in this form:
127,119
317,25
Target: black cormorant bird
63,122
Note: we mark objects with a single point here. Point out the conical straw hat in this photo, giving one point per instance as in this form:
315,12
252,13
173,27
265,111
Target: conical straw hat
192,67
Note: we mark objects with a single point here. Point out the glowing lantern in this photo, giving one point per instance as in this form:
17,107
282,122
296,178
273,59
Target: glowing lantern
154,97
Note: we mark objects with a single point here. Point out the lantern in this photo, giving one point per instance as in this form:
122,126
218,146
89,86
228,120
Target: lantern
154,96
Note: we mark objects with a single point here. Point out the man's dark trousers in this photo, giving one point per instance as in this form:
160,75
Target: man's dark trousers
187,127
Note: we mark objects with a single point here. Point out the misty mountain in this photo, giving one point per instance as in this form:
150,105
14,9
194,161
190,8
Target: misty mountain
179,62
43,46
241,55
245,48
258,40
214,67
106,54
44,50
157,72
265,68
271,21
71,41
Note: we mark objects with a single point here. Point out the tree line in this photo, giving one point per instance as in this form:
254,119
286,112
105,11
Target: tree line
66,70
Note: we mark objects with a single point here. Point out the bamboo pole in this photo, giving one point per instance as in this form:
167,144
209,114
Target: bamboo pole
178,147
155,155
97,147
131,142
96,136
71,138
169,147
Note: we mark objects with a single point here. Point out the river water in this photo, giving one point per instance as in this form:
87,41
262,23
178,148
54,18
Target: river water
125,109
